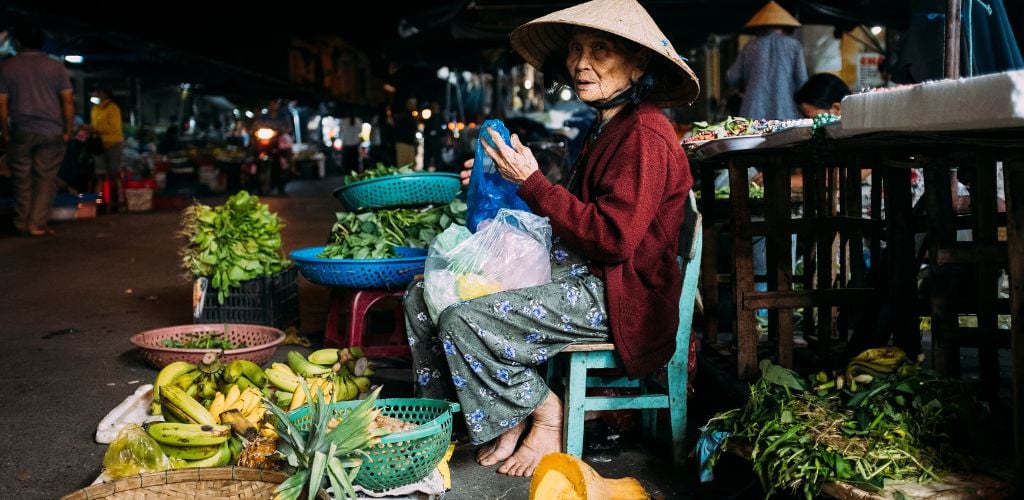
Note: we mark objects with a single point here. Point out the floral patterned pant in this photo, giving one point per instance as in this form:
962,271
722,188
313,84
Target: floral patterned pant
485,351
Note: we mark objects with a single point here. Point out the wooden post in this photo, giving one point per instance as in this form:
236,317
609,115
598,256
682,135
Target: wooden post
902,302
709,261
824,238
746,334
811,196
778,210
941,235
983,208
1013,175
952,39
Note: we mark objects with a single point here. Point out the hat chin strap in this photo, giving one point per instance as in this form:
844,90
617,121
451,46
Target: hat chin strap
634,94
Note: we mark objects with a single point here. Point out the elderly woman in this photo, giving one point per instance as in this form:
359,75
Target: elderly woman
616,222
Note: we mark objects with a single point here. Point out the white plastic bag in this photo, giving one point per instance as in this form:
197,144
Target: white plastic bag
507,252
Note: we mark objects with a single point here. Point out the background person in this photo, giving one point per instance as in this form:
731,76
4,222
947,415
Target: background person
105,121
616,223
770,68
37,114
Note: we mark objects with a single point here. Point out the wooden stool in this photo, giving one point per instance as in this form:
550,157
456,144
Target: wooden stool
355,305
584,357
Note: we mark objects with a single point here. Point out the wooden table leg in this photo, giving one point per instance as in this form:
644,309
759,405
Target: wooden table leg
811,195
983,208
778,210
1013,174
826,259
709,260
941,234
746,334
901,305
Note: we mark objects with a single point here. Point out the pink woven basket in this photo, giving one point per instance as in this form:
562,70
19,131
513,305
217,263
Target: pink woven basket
260,343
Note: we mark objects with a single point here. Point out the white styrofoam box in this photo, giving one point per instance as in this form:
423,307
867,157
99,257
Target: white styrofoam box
978,103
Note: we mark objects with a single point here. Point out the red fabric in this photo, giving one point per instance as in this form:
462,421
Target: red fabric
635,181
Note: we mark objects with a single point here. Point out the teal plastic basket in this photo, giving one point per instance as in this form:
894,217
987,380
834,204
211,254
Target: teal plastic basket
400,458
397,272
420,188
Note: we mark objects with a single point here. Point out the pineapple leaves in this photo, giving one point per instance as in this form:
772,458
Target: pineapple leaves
291,488
316,473
336,469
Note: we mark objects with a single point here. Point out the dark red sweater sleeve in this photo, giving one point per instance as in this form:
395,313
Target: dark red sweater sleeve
625,200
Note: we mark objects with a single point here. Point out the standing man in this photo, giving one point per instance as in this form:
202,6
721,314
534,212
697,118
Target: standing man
406,128
771,67
36,117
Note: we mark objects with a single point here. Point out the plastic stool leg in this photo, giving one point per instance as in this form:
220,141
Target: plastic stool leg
573,413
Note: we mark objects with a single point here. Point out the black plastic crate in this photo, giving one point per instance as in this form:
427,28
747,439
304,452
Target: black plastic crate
270,300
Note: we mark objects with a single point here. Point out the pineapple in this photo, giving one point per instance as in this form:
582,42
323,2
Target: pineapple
258,453
324,455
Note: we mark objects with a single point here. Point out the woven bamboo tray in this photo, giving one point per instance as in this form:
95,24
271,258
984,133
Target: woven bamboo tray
216,483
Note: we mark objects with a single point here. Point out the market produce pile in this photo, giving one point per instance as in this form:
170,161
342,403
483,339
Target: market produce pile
885,417
216,415
380,170
739,127
374,234
235,242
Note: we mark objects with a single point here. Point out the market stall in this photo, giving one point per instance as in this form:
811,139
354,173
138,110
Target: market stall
971,126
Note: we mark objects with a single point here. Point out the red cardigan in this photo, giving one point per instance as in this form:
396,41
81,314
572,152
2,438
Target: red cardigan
626,222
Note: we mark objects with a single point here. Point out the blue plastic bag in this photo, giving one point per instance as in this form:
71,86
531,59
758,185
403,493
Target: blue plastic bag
488,191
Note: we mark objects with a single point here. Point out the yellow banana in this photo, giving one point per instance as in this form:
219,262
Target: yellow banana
232,396
217,406
184,406
188,434
298,399
884,356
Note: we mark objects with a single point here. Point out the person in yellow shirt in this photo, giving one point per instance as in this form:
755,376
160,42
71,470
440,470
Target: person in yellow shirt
106,123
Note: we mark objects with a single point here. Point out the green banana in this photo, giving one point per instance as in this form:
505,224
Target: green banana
285,381
187,379
326,357
363,383
207,388
189,452
247,369
169,374
356,351
154,407
188,434
184,406
283,399
219,459
244,383
235,444
303,367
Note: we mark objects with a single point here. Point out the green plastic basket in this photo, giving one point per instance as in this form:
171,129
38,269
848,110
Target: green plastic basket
403,457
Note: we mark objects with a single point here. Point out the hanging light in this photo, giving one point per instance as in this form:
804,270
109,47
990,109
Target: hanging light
566,94
426,113
74,59
528,84
875,30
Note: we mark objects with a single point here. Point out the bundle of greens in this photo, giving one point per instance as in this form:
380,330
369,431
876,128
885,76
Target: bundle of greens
380,170
203,341
235,242
372,235
885,418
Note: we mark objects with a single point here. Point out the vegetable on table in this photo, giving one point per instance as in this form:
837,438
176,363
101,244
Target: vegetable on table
380,170
235,242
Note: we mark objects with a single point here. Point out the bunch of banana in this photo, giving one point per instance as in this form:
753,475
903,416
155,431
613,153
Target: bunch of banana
245,374
198,381
340,375
190,436
880,362
248,403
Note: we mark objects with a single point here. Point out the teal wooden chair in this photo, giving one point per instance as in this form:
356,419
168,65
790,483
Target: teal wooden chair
579,358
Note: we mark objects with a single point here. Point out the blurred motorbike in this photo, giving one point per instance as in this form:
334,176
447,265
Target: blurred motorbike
270,167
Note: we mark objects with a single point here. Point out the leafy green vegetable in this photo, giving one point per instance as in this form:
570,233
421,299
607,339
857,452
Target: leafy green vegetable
203,341
379,171
235,242
373,234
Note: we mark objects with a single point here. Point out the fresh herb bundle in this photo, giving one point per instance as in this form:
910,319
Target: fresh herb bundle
203,341
235,242
898,423
373,234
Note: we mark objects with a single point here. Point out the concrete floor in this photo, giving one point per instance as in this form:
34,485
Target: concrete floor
72,301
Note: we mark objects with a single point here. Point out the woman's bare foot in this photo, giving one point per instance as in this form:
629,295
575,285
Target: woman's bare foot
502,447
545,437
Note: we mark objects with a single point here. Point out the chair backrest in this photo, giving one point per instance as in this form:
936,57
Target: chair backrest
690,251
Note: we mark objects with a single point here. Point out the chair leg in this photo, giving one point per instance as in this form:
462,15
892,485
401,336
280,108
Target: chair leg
677,380
650,416
572,414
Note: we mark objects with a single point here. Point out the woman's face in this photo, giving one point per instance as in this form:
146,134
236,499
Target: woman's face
810,111
600,66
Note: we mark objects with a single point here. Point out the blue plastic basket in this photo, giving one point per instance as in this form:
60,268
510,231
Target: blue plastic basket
422,188
360,273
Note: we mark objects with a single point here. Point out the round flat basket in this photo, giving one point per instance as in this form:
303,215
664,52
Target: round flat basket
404,457
421,188
360,273
221,483
260,343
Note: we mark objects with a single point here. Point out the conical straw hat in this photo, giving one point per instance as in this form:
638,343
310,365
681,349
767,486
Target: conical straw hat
538,39
772,14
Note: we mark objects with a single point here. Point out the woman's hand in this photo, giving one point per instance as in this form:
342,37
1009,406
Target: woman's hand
467,170
514,163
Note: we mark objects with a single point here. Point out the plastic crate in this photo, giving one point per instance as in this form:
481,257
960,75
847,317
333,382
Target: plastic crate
270,300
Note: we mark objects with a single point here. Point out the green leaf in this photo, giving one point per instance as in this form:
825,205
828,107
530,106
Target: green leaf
316,473
291,488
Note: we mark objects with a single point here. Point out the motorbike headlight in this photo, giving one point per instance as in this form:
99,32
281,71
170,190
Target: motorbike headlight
265,134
